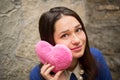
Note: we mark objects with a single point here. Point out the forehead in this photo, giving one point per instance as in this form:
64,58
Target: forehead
66,22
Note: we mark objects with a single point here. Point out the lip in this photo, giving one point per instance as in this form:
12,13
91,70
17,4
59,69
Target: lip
76,49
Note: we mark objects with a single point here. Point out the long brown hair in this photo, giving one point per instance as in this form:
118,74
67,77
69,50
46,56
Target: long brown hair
46,30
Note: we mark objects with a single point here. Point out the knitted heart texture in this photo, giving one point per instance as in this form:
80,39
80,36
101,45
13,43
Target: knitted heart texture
59,55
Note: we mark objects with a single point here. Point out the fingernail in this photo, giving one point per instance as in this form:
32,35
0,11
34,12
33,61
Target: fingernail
49,64
53,66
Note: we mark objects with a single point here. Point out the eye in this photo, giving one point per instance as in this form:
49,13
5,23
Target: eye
78,29
64,36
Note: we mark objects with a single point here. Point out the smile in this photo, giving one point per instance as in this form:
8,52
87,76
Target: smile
76,49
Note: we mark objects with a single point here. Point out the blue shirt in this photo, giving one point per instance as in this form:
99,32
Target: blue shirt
104,72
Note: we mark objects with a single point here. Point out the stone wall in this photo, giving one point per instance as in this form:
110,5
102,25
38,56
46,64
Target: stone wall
103,28
19,32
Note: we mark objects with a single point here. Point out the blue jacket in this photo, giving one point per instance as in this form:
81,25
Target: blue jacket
104,72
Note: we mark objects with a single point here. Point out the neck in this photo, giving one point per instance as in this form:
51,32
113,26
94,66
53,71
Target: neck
73,64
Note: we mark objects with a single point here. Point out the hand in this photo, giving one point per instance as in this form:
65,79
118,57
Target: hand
45,72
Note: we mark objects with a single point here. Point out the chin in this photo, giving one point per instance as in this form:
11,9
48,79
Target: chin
78,55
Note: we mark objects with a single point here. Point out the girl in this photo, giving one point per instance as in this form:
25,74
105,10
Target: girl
61,25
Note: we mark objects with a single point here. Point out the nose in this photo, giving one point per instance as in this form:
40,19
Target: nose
75,39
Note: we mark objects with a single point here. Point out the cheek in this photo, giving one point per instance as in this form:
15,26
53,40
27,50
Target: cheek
83,37
64,42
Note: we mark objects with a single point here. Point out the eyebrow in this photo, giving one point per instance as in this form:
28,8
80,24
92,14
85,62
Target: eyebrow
78,26
68,30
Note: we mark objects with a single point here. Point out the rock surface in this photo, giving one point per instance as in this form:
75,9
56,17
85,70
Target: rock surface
19,32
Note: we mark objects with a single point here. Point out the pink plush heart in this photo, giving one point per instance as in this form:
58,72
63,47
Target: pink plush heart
59,56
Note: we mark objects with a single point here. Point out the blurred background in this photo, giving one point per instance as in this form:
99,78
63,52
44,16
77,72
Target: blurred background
19,32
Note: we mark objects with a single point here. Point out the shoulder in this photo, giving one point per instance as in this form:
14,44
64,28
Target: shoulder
97,54
35,69
104,72
35,73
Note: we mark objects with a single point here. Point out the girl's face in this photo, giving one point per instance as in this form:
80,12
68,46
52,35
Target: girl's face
68,31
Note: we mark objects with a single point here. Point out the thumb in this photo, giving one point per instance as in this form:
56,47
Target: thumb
57,75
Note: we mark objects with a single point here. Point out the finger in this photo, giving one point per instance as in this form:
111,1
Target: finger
49,70
58,74
44,68
46,73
